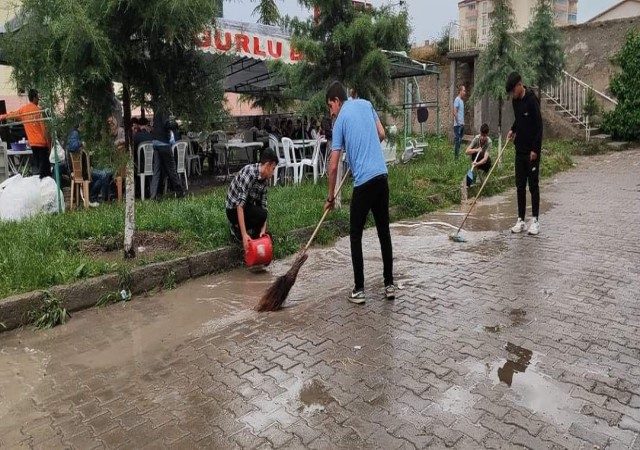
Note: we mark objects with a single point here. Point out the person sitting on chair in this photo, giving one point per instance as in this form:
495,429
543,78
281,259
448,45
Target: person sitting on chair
479,150
100,178
246,202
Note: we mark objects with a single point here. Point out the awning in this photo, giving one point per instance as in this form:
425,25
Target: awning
249,47
402,66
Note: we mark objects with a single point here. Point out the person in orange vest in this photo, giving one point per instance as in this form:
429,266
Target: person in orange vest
37,134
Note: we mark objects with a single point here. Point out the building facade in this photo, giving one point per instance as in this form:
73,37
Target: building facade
475,15
623,10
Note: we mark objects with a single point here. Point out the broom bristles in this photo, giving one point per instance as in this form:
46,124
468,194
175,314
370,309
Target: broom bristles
277,293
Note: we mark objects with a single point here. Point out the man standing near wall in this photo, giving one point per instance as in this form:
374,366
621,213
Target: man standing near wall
458,118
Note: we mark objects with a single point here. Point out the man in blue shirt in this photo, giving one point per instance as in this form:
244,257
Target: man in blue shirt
458,118
358,130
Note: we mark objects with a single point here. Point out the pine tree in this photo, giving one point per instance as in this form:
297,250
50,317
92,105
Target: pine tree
500,58
344,43
624,121
543,47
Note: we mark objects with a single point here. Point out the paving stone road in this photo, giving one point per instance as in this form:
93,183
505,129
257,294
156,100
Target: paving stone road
506,341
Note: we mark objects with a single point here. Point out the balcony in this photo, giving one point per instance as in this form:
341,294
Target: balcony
463,40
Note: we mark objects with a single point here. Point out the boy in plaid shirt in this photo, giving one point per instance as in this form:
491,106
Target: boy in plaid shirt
246,202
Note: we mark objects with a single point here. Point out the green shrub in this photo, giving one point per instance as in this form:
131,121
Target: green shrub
624,121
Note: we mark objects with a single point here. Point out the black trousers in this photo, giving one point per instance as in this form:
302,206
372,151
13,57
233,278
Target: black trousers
41,162
372,196
164,166
527,171
254,219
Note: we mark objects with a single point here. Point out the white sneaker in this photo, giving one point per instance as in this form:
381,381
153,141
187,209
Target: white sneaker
519,227
94,204
534,228
357,296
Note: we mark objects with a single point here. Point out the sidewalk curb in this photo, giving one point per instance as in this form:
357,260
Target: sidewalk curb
84,294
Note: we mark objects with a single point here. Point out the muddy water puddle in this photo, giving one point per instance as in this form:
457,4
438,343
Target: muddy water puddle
314,396
528,386
497,213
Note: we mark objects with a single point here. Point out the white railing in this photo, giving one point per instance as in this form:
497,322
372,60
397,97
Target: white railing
570,95
462,40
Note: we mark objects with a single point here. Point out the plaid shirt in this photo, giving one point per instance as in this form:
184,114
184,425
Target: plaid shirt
247,188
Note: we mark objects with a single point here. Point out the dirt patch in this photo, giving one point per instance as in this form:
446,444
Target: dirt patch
152,242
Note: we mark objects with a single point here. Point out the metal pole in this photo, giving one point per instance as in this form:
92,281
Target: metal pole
406,125
438,106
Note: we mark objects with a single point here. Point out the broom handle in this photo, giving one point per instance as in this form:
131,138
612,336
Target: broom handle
483,185
324,216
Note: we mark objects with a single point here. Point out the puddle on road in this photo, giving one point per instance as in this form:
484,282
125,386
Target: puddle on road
517,363
490,214
197,308
24,365
527,385
314,397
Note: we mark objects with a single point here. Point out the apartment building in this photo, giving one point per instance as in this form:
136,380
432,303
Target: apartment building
475,15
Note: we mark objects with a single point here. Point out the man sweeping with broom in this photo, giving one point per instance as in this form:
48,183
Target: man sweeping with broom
359,130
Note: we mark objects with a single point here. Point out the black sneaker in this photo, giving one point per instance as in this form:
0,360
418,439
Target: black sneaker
357,296
390,292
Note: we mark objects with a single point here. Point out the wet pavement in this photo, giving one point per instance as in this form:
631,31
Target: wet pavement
505,341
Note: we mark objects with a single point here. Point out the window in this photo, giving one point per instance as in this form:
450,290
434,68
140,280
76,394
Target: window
573,18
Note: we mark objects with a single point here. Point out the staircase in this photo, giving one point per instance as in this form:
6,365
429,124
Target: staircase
569,97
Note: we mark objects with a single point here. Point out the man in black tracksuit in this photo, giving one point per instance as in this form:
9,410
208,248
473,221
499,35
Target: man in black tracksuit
527,133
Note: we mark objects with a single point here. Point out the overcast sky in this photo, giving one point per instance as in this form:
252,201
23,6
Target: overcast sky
431,15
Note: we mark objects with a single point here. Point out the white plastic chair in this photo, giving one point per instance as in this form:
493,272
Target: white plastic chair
275,146
180,150
145,150
389,151
192,159
291,162
314,162
220,137
418,149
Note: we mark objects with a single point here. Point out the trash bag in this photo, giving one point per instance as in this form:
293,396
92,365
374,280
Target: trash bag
26,197
49,195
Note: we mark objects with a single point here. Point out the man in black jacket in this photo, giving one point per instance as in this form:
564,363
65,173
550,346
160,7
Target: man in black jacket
527,134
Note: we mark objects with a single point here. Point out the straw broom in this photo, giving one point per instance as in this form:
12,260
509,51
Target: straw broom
277,293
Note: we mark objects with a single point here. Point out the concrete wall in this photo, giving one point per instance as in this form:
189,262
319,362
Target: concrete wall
590,47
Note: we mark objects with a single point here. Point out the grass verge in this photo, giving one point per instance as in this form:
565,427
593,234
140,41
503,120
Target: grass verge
48,250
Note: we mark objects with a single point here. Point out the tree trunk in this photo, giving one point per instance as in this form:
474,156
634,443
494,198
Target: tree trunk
129,216
500,127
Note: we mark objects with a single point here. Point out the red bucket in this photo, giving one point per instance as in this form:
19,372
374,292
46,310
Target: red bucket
259,252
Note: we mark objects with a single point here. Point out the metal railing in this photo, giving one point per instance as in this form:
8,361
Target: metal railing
570,95
463,40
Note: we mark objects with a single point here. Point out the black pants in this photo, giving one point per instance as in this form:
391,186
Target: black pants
41,162
527,171
254,219
165,166
372,196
